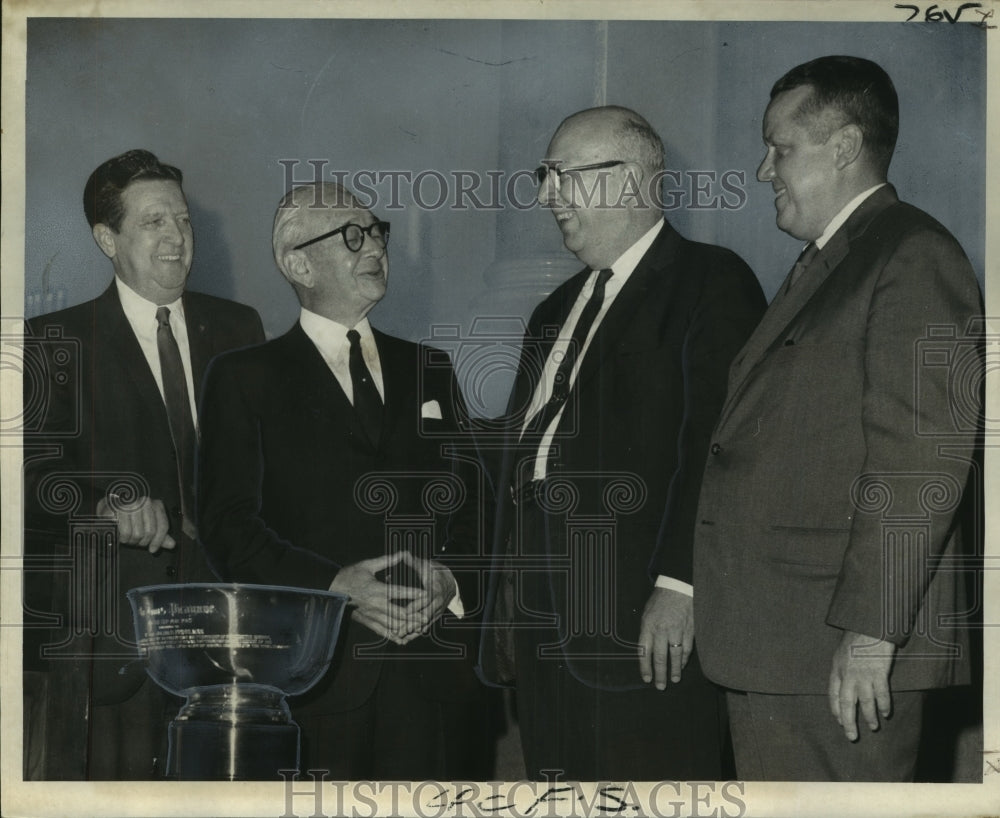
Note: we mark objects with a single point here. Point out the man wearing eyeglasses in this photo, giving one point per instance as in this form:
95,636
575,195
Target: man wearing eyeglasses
621,376
312,444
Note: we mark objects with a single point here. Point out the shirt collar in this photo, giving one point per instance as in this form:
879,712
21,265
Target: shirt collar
329,334
837,222
628,260
140,311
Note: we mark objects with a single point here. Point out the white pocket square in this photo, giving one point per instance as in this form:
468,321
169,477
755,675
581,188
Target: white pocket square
431,409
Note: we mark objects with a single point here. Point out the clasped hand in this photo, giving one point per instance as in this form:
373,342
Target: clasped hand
396,612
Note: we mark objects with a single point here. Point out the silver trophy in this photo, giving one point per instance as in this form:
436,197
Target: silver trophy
234,652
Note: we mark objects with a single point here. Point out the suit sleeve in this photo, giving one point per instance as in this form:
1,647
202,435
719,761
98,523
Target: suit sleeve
460,531
239,544
728,308
57,437
50,429
919,408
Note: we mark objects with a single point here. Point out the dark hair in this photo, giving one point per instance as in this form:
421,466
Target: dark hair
102,196
859,90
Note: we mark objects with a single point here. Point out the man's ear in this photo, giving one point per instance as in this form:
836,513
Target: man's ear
297,269
850,141
632,188
105,238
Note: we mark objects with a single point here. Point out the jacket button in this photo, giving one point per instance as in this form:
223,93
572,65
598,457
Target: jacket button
716,448
789,342
171,571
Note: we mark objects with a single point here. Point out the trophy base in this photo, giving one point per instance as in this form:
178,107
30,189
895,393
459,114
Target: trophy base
217,751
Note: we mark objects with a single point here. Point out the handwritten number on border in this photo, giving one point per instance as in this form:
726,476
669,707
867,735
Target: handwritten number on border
933,16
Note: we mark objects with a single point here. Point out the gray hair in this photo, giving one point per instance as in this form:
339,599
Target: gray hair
289,225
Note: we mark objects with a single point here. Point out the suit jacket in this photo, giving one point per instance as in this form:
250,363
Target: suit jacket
291,489
629,449
839,464
95,420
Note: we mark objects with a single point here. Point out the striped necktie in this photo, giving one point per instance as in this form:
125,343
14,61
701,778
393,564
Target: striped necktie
561,383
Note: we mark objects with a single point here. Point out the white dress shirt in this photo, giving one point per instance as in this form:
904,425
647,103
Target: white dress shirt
330,338
141,315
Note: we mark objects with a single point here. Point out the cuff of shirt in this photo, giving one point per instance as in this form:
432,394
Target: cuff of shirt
455,607
672,584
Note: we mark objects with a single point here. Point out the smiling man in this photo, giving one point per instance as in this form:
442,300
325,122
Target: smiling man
843,458
119,418
293,431
622,372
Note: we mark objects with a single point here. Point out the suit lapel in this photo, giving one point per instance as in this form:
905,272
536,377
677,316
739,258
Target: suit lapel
199,342
117,336
621,315
538,343
397,382
323,393
787,304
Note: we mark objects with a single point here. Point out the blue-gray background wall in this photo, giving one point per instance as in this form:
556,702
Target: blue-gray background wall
228,100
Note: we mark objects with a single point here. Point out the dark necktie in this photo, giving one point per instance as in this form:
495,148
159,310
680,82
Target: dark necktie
803,261
178,403
561,383
367,401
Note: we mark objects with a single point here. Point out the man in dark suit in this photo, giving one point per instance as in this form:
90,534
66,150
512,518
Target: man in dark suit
114,439
621,375
323,468
838,467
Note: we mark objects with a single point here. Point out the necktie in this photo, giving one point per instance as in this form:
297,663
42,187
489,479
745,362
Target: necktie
804,260
178,403
367,401
561,383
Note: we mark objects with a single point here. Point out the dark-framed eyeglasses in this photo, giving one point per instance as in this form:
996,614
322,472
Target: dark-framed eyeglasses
354,235
542,171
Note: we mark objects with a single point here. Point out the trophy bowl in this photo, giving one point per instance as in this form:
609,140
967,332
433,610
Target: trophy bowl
234,652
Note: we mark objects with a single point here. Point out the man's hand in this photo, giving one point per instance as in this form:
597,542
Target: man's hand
143,522
860,676
377,603
667,630
438,591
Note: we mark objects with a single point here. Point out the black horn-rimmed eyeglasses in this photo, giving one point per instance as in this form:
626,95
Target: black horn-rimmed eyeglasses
354,235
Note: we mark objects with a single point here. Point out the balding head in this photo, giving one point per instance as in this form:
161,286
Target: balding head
604,162
625,131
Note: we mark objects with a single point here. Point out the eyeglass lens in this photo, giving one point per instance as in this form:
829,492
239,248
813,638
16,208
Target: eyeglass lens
354,235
